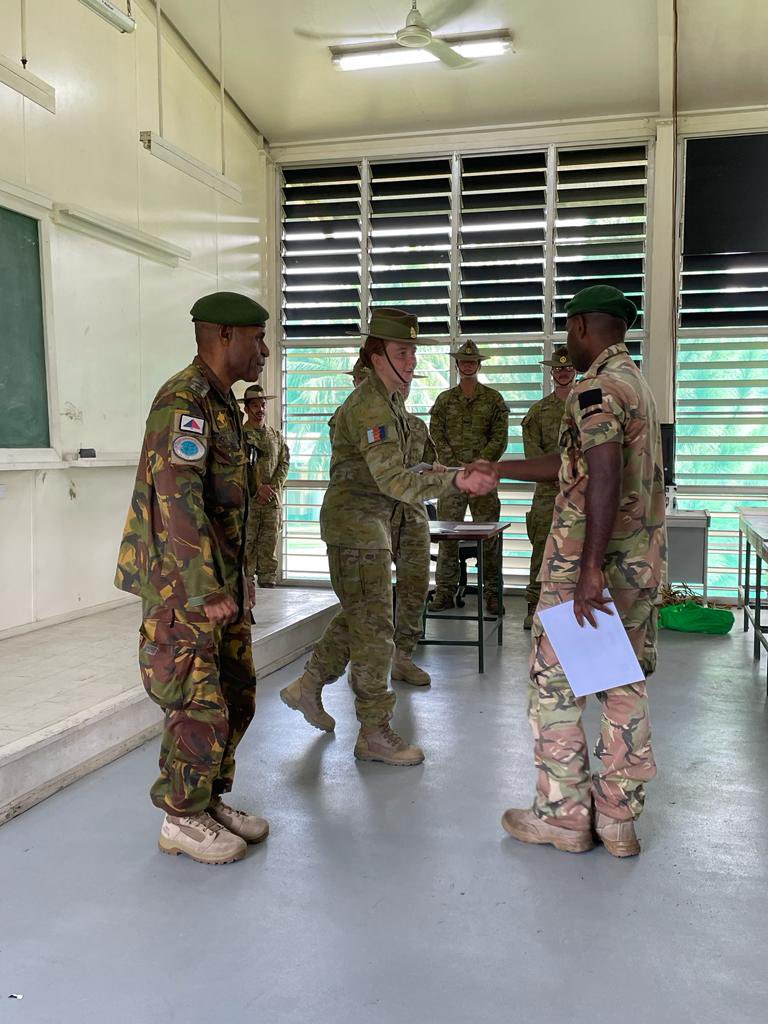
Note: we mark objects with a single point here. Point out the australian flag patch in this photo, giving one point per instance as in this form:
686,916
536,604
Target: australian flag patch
376,434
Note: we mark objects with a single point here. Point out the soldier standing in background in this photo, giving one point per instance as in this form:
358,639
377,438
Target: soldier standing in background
470,421
608,530
182,552
368,478
268,461
541,436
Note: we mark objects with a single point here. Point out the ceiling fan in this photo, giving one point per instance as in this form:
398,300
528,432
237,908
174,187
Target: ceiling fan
416,34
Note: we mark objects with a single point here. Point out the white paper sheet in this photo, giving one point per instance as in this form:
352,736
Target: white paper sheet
592,659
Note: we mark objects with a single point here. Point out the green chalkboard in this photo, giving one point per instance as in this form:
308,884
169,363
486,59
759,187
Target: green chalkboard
23,390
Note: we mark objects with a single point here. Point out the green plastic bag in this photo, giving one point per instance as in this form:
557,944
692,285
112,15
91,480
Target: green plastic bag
694,618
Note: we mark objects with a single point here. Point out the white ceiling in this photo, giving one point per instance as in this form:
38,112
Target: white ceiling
572,59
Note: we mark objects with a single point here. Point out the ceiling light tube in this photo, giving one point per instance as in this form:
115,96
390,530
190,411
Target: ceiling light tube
358,58
170,154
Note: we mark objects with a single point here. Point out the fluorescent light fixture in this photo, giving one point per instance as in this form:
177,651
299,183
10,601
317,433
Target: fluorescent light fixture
111,13
484,44
123,235
16,77
170,154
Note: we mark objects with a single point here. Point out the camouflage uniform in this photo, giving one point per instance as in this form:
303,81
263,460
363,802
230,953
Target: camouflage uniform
541,436
368,479
184,542
611,404
465,429
268,465
410,543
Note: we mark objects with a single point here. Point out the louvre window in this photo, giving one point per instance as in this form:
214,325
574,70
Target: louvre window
321,244
410,240
600,225
503,230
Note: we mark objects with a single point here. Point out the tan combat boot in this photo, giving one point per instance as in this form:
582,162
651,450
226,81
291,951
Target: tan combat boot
405,671
442,600
381,743
618,837
304,695
201,838
250,828
528,827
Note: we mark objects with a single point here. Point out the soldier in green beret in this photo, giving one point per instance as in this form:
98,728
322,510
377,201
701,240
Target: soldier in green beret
468,422
608,532
541,435
182,553
369,476
268,462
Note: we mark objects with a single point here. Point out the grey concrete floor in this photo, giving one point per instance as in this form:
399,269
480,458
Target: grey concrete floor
392,894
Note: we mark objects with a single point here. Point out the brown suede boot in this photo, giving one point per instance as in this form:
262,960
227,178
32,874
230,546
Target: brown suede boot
381,743
405,671
250,828
304,695
528,827
618,837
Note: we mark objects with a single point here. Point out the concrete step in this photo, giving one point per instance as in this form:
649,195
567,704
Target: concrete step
51,737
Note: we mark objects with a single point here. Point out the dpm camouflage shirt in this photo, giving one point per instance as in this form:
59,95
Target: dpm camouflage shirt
611,404
184,535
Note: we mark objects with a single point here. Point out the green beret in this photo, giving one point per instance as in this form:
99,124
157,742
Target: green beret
602,298
231,309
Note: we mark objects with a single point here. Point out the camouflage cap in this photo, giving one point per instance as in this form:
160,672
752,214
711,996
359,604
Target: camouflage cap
468,352
231,309
392,324
602,298
560,359
254,391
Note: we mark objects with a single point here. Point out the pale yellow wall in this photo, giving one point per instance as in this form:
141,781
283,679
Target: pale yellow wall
120,323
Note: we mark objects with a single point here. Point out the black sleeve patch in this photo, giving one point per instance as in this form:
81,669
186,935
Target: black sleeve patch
589,398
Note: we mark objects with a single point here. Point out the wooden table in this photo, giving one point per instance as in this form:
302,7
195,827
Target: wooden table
479,533
753,533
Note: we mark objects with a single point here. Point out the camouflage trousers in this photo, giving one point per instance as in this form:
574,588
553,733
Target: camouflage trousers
538,523
485,509
564,790
410,541
202,676
362,632
262,538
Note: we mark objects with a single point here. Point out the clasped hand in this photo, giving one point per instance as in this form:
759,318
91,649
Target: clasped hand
477,478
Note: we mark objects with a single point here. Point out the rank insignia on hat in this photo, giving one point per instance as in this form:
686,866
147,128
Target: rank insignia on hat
188,449
194,424
376,434
563,360
414,333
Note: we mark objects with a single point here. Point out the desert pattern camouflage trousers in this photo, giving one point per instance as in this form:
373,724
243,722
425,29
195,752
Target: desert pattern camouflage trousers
484,509
362,632
202,676
262,538
410,540
564,789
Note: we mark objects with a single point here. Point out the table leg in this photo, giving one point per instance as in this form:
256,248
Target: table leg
746,589
758,603
480,637
500,631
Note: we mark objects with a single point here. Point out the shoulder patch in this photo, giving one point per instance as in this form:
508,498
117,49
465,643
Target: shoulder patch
589,398
191,424
376,434
188,449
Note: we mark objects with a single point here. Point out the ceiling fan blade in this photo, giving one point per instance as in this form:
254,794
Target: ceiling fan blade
448,55
327,37
440,12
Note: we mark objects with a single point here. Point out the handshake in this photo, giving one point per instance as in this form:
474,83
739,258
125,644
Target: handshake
477,478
